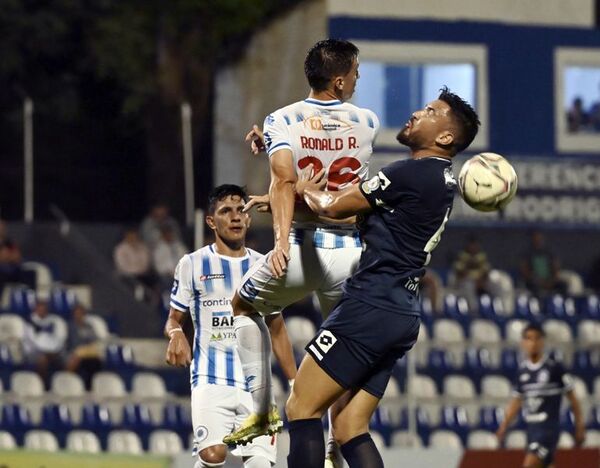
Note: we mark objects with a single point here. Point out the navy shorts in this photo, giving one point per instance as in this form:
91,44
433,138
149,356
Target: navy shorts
358,345
542,443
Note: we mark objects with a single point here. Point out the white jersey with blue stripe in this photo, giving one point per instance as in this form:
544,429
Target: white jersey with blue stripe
332,135
205,282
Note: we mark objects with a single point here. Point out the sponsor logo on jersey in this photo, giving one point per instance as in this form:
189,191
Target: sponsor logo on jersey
212,277
371,185
524,377
320,124
216,302
326,340
449,178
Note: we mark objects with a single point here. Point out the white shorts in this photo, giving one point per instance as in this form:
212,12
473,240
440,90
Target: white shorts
219,409
314,266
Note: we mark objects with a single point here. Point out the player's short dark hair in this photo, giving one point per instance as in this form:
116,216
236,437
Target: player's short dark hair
464,115
532,326
223,191
327,59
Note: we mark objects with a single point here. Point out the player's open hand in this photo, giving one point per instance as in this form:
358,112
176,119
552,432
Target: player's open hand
307,179
256,139
260,202
178,351
279,258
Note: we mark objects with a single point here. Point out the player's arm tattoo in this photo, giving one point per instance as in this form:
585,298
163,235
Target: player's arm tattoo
337,205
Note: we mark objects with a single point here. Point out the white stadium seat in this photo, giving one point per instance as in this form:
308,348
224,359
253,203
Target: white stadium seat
449,332
108,385
482,440
592,439
148,385
165,443
406,439
484,333
495,386
378,440
41,440
557,332
513,331
26,384
588,333
83,442
392,391
566,441
124,442
67,384
300,330
7,441
597,389
445,439
516,440
12,327
422,386
99,326
459,387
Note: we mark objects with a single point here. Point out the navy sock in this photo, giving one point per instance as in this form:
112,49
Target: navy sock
361,452
307,444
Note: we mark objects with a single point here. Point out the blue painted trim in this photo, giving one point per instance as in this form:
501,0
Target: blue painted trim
221,314
229,367
278,145
323,103
212,364
208,283
225,265
179,304
287,120
245,266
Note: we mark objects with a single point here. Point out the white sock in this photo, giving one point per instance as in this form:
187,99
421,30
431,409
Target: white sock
256,461
254,349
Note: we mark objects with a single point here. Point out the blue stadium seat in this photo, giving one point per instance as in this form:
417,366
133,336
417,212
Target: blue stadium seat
427,313
422,421
527,308
57,419
175,419
490,308
477,364
589,307
7,364
454,418
16,420
120,359
62,302
22,301
380,422
457,308
567,421
97,418
438,366
509,363
593,420
490,418
561,308
137,418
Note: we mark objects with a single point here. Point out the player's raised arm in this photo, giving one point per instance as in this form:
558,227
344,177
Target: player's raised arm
281,195
579,422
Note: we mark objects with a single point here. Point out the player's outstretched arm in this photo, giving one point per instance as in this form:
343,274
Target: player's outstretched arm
281,196
337,205
282,348
579,422
178,351
509,414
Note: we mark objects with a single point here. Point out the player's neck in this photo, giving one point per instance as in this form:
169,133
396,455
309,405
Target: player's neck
327,95
234,250
535,358
429,153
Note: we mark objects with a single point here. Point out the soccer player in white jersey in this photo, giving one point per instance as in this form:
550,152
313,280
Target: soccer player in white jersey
311,254
204,283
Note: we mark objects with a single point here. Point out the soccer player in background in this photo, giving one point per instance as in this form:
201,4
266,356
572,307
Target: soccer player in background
403,211
314,254
203,286
540,385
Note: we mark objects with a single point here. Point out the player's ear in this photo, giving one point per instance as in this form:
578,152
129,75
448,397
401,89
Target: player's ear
446,138
210,220
338,83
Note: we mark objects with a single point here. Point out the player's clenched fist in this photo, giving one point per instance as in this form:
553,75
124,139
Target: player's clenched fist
178,351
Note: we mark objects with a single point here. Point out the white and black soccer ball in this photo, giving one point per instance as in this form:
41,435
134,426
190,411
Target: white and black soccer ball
487,182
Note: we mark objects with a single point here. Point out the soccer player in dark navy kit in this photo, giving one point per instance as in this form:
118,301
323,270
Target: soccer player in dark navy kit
403,211
540,385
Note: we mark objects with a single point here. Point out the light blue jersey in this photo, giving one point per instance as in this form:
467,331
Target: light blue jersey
205,282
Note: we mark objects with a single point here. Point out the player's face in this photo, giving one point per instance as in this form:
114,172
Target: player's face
427,126
533,343
228,220
349,80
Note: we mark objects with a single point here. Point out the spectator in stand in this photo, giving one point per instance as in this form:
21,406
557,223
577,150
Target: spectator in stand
157,219
83,346
45,339
10,261
577,118
169,249
471,269
132,258
540,268
594,116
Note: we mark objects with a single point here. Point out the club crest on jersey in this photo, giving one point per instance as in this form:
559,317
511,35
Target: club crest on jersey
449,178
524,377
543,376
371,185
212,277
201,433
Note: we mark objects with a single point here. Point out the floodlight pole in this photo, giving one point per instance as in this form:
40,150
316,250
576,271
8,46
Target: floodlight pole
188,161
28,159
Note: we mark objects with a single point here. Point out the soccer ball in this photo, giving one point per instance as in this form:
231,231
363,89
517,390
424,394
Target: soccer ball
487,182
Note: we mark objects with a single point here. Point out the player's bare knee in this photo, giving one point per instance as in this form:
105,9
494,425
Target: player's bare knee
347,426
213,456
